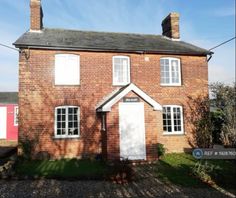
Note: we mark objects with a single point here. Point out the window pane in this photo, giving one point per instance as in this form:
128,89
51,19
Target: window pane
165,73
70,132
169,122
75,110
73,121
76,132
162,63
121,70
58,124
58,131
70,118
63,131
70,110
178,122
167,119
60,67
175,71
177,119
58,118
70,125
175,122
67,69
75,117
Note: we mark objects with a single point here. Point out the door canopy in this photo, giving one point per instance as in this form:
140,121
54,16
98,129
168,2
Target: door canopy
113,98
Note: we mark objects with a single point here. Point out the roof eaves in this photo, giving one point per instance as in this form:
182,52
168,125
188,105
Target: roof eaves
139,51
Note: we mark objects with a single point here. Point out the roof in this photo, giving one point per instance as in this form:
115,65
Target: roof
106,41
113,98
9,97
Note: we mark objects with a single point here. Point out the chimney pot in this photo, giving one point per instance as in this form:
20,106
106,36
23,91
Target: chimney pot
170,26
36,15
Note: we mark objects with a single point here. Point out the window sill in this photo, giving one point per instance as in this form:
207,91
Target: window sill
120,85
64,85
66,138
171,85
171,134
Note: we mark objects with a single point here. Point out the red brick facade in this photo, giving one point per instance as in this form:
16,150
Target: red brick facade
38,97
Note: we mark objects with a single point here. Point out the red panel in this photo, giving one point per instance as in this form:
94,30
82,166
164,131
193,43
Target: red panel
12,130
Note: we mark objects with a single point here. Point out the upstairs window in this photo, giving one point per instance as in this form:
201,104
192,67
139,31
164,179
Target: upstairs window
67,69
172,119
121,70
170,71
67,119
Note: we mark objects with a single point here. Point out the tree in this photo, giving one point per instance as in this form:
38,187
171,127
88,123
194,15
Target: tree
224,100
199,117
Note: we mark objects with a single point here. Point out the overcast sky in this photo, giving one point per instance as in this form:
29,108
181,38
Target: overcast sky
205,23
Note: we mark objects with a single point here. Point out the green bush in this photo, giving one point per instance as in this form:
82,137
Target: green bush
204,170
160,150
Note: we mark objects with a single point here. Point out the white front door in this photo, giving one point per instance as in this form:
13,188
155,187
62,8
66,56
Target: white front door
3,122
132,131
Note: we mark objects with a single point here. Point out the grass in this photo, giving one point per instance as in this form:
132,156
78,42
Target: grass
66,168
182,169
177,169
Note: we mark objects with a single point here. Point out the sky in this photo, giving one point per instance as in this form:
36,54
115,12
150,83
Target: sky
204,23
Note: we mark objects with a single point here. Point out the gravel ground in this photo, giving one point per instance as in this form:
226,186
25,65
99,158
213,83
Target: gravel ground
59,188
145,185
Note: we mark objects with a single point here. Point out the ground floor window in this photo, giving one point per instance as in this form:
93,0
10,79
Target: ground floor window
172,119
67,119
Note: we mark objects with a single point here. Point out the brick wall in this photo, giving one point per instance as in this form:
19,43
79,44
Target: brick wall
38,96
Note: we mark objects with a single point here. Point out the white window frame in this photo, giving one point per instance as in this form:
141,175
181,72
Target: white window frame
113,71
172,120
55,123
16,112
67,56
179,69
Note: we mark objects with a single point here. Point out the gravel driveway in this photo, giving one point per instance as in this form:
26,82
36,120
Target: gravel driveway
146,185
59,188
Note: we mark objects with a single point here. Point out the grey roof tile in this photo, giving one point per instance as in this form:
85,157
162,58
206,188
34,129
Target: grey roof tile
106,41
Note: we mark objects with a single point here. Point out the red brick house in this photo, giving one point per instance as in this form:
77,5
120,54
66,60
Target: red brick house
8,118
85,93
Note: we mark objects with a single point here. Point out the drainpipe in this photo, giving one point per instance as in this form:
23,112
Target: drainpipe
104,122
209,58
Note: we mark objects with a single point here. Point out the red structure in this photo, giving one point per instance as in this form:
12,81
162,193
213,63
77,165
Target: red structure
8,117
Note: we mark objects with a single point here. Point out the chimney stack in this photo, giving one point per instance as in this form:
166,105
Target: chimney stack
36,15
170,26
